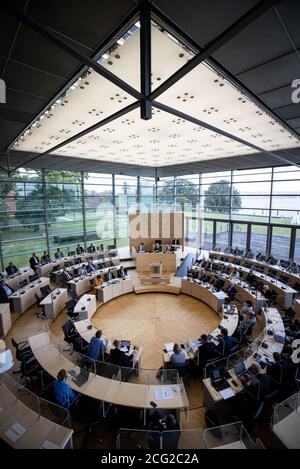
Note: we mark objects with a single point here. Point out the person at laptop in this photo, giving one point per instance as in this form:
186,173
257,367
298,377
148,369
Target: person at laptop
90,268
162,422
231,292
58,254
97,281
5,291
62,391
118,357
266,384
245,309
96,347
11,269
178,356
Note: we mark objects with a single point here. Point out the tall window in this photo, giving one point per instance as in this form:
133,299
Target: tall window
281,238
239,236
258,242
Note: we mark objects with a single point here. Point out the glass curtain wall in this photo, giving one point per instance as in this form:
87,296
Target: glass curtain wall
257,209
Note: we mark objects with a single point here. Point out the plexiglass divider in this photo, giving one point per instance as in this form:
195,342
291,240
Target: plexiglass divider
230,436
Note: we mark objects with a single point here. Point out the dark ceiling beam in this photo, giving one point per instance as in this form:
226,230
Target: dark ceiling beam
81,134
248,18
194,120
145,59
58,40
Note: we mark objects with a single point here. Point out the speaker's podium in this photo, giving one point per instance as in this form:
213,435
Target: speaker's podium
156,270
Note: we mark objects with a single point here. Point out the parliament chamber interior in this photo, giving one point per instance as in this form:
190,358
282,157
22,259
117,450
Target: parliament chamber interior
149,224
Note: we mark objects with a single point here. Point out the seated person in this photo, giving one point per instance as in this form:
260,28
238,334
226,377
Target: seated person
81,270
270,259
58,254
167,248
91,248
11,269
178,356
231,292
206,350
79,249
101,265
162,422
121,272
248,254
90,268
176,242
247,323
218,284
97,281
259,256
101,248
34,261
157,246
279,369
142,247
246,308
251,277
293,268
235,274
226,343
62,391
118,357
96,347
65,275
266,384
110,263
5,292
45,259
236,251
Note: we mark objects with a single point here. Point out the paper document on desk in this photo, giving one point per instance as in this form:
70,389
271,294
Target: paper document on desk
227,393
162,394
15,432
124,349
48,445
169,346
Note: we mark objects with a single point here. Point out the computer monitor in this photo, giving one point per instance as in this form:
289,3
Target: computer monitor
23,283
77,261
33,277
56,268
125,343
239,368
45,290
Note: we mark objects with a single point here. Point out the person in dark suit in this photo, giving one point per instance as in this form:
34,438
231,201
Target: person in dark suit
45,259
79,249
91,248
11,269
66,276
5,292
169,428
206,350
34,261
266,383
90,268
118,357
226,342
231,292
278,370
58,254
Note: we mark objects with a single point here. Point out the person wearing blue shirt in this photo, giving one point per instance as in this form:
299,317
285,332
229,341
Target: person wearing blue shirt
62,391
90,267
96,347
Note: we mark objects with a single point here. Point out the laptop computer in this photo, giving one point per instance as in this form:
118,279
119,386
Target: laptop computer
240,368
82,377
125,344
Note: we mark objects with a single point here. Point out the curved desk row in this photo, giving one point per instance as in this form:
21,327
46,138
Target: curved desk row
23,298
22,427
245,292
204,293
13,281
114,288
82,284
271,321
280,271
46,269
113,390
55,302
285,293
97,263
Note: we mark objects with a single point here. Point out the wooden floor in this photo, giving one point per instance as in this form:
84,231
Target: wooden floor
152,319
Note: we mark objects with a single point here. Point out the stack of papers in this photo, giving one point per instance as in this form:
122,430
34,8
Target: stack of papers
227,393
169,346
162,394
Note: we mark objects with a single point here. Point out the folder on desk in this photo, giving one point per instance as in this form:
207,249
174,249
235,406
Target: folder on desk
169,346
162,394
15,432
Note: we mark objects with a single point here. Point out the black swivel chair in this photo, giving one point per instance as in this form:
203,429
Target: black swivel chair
22,350
70,305
72,337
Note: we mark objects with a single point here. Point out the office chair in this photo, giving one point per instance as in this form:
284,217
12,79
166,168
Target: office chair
22,350
31,369
70,306
72,337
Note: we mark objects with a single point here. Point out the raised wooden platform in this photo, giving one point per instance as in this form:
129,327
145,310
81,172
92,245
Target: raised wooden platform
157,287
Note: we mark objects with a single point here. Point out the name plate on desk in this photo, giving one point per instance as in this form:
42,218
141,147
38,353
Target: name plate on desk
15,432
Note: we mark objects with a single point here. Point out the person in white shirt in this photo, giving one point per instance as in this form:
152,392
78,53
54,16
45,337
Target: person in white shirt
142,247
235,274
